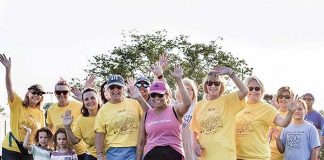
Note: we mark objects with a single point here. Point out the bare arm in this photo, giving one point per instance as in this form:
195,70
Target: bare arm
26,140
283,121
182,108
141,140
221,70
315,153
280,146
135,94
243,90
100,138
198,148
7,63
67,121
73,139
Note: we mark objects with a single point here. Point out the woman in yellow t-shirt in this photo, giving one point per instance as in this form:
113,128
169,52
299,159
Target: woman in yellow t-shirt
84,125
213,119
23,113
282,98
117,123
253,122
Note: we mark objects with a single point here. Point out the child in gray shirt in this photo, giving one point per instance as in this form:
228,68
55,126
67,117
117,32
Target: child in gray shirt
300,140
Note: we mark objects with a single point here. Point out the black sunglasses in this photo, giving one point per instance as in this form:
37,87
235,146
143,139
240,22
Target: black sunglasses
37,93
286,96
112,87
153,95
255,88
139,85
65,92
210,83
307,99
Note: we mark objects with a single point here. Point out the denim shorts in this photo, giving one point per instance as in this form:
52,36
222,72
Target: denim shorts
121,153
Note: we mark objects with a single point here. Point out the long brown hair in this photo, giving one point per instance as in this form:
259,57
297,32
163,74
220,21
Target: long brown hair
25,103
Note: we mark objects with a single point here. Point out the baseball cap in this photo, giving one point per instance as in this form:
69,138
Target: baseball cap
115,80
38,88
142,78
158,87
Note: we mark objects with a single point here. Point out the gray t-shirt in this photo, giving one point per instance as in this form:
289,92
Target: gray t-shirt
299,140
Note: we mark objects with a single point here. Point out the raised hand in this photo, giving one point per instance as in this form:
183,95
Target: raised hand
5,61
28,130
221,70
77,94
67,118
130,81
90,81
164,60
156,69
293,103
134,92
178,72
274,102
276,133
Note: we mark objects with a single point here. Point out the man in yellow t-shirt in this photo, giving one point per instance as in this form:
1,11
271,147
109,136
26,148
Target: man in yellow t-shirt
117,123
55,112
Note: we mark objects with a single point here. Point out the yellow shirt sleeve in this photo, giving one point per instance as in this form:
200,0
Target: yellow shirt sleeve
99,125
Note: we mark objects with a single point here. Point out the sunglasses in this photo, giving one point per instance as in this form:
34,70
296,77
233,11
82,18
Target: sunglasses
254,88
37,93
112,87
65,92
210,83
153,95
307,99
139,85
300,108
286,96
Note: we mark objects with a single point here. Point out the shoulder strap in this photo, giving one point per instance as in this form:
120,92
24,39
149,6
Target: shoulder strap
174,112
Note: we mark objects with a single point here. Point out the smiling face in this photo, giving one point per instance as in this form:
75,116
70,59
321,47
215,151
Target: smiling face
116,93
62,93
159,100
214,87
283,99
34,96
255,92
90,100
300,112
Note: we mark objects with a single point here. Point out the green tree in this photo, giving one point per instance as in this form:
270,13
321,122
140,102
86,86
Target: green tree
138,51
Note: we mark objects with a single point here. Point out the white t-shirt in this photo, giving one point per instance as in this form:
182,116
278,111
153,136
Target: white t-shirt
40,153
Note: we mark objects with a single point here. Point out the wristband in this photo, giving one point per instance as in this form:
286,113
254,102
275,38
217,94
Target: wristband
99,153
160,77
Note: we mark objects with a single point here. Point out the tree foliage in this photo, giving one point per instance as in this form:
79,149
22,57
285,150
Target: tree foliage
138,52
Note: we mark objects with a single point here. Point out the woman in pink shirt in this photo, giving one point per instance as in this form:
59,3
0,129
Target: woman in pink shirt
160,129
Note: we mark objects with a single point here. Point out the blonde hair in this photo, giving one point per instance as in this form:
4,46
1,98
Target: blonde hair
213,76
192,84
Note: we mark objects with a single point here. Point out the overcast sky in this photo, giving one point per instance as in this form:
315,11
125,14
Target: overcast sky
283,40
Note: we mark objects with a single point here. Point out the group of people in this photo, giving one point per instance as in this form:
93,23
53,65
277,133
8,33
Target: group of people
143,120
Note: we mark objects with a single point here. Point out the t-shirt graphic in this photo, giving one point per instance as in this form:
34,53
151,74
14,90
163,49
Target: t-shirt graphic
125,125
245,127
212,124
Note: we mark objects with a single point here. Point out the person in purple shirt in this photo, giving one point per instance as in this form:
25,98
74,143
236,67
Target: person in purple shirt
312,115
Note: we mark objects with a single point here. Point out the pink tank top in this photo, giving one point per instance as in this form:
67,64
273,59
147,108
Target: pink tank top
162,130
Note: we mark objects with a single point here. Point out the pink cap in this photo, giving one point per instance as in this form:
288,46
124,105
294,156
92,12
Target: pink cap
158,87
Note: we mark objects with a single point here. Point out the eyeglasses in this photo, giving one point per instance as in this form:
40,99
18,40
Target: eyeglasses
153,95
286,96
37,93
210,83
112,87
65,92
139,85
254,88
307,99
